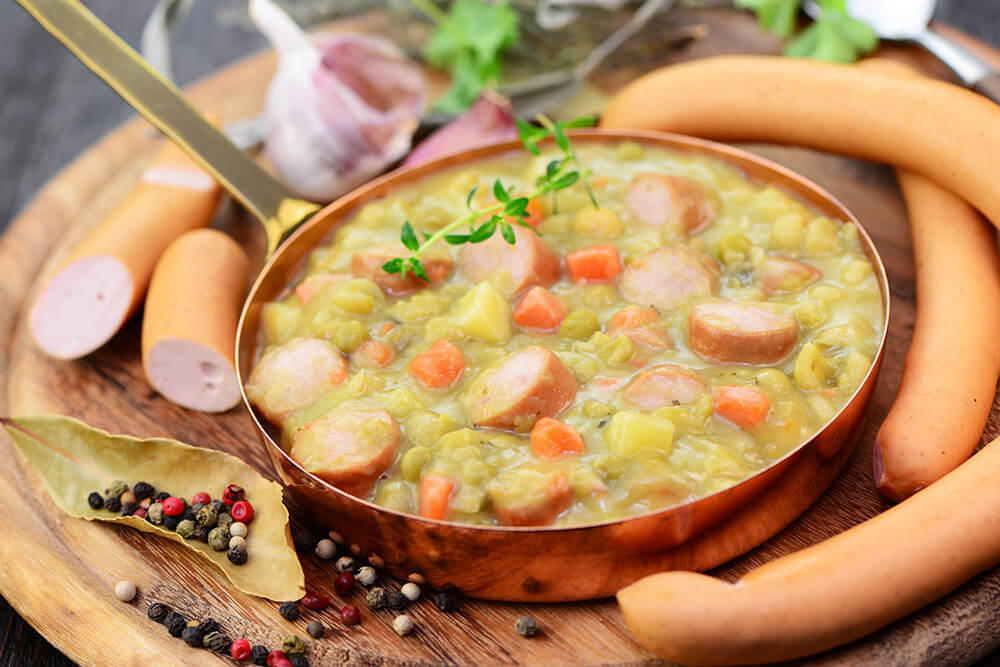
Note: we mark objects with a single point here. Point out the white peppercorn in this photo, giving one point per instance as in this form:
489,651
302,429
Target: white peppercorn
403,625
238,528
411,591
345,564
326,549
125,591
236,540
367,576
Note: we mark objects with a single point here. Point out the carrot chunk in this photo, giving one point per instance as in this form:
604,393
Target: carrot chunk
435,495
535,212
552,439
596,264
642,326
373,354
745,407
633,316
438,366
539,309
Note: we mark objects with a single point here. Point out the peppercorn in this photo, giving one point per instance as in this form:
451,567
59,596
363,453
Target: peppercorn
201,497
397,600
128,509
95,500
326,549
377,598
216,641
242,511
171,522
175,624
237,541
157,611
112,504
237,555
209,625
161,496
315,601
232,494
224,521
345,564
403,625
128,498
125,591
240,650
218,539
274,656
315,629
367,576
298,661
526,626
154,514
200,534
192,635
344,583
258,654
411,591
116,489
445,601
350,615
303,539
289,610
140,512
293,645
186,529
191,511
143,490
207,517
173,506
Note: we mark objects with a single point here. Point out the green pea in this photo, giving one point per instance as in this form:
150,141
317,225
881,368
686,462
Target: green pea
345,334
579,324
413,462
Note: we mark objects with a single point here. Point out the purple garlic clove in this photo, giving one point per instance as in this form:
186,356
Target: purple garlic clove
487,121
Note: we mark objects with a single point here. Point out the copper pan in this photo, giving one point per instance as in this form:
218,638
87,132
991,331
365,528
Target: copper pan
500,563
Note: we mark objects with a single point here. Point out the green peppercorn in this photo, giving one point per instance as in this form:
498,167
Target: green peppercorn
218,539
154,514
95,500
289,610
117,488
237,555
526,626
293,645
143,490
158,612
207,517
225,520
112,504
377,598
192,635
186,529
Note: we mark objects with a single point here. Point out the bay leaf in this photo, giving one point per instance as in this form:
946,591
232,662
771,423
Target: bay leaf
74,459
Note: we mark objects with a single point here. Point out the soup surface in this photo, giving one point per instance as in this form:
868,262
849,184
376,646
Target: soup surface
690,331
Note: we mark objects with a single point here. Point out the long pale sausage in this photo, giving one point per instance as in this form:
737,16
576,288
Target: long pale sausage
834,592
89,298
189,323
936,129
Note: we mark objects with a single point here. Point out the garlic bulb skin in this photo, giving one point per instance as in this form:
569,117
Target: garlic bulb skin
339,111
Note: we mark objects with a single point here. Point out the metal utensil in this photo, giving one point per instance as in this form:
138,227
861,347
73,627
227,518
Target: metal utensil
908,21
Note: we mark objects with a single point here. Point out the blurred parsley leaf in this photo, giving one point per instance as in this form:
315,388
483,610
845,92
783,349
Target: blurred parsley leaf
775,16
833,37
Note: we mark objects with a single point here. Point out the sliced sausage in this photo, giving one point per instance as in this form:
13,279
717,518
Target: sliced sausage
316,283
666,278
522,387
781,275
368,264
349,447
734,332
662,199
666,384
294,375
526,263
530,498
642,325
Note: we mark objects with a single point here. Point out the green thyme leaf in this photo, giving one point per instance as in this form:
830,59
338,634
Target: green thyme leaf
393,265
418,269
484,231
468,200
508,233
456,239
408,237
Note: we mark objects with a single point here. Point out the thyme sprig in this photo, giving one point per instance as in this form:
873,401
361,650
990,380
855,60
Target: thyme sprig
559,174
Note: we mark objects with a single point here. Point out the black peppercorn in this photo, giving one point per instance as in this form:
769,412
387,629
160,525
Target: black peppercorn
220,507
170,522
209,625
191,511
298,661
445,601
112,504
397,600
238,555
192,635
258,654
143,490
200,534
95,500
315,629
303,540
161,496
175,624
216,641
158,612
128,509
289,610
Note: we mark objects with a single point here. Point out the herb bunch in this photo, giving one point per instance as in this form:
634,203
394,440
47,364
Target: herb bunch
559,174
834,36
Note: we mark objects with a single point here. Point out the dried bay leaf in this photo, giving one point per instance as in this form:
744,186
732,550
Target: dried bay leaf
74,459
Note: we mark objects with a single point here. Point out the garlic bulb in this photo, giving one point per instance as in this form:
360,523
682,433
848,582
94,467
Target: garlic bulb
489,120
338,112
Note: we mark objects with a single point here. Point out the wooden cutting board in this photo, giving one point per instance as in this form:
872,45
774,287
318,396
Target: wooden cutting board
58,572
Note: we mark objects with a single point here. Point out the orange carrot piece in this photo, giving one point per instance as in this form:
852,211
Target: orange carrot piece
435,494
552,439
373,354
339,373
539,309
596,264
641,325
386,328
438,366
745,407
633,316
535,212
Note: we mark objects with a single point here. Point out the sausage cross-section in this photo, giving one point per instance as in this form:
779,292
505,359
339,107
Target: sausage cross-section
662,199
368,264
666,278
663,385
529,497
526,263
294,375
782,275
736,332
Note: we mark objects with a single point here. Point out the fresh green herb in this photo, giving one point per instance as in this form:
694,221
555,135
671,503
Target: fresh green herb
834,36
559,174
468,41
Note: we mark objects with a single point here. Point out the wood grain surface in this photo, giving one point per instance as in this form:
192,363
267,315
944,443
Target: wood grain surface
58,572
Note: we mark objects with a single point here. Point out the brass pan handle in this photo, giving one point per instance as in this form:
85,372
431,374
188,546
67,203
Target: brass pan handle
163,105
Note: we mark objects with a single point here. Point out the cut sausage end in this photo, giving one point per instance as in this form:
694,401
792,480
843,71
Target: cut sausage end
82,307
666,278
733,332
192,375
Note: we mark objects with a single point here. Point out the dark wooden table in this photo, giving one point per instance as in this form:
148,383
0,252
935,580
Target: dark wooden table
53,108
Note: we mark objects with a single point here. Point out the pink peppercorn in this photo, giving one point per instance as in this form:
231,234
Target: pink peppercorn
274,656
344,583
240,650
242,511
315,601
141,513
350,615
173,506
201,497
231,494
